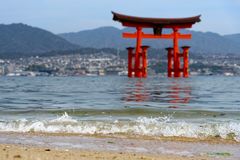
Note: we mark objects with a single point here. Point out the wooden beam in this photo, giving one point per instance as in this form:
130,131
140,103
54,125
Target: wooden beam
149,25
152,36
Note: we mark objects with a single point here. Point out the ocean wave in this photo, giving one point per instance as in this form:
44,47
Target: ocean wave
143,126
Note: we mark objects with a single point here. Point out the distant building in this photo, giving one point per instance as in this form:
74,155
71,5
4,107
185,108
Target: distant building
9,68
101,72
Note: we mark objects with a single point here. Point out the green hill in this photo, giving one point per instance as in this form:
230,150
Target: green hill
24,39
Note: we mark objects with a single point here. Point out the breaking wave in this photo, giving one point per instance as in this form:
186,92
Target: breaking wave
143,126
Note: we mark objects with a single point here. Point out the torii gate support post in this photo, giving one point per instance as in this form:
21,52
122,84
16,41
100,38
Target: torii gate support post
185,61
144,61
176,53
130,61
137,53
170,61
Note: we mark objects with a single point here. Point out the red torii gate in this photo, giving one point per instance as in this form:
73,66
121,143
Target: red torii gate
140,56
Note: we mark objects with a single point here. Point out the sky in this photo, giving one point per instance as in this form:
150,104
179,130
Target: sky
60,16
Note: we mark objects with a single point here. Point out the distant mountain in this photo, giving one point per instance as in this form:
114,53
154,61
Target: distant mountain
104,37
21,38
202,42
234,37
17,40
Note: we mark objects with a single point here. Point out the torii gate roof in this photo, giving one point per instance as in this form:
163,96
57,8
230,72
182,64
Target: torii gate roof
132,21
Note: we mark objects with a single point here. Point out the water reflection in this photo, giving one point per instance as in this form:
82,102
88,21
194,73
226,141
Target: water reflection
174,93
179,93
137,92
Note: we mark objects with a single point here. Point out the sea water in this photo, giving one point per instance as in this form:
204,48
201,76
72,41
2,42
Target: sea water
197,107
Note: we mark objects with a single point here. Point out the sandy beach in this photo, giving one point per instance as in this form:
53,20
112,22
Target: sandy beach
9,152
27,146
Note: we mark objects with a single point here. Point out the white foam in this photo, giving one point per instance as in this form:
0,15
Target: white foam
161,126
64,118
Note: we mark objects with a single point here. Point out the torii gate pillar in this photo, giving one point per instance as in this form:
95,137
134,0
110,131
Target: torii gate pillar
176,53
137,53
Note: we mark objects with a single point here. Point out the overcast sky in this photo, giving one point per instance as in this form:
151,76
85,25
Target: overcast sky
58,16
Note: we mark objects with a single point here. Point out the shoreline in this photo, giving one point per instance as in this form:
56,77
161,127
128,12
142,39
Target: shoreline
210,139
95,147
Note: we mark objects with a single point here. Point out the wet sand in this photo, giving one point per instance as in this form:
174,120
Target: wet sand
48,147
